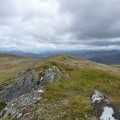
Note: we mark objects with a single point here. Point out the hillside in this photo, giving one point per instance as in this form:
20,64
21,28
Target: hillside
66,99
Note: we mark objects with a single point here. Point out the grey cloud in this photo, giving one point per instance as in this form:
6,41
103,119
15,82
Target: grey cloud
38,25
93,18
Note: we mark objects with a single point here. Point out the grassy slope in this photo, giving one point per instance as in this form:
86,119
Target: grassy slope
70,99
10,66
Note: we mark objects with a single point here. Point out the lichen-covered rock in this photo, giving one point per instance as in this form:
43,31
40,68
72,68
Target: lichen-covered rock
27,81
51,75
104,109
16,106
26,91
30,80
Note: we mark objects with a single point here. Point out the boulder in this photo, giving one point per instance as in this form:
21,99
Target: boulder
104,109
51,75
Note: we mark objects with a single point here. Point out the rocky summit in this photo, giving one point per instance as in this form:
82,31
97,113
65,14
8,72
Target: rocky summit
28,81
27,90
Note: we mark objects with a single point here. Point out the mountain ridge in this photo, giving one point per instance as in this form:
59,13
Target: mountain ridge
105,57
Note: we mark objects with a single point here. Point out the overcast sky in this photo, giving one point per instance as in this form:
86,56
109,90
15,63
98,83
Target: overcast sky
41,25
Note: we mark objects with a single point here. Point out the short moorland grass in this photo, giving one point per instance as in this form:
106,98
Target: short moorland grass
77,90
70,99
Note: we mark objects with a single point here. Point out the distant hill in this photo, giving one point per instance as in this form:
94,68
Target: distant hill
7,55
105,57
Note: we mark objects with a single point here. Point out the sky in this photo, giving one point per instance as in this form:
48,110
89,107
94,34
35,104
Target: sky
43,25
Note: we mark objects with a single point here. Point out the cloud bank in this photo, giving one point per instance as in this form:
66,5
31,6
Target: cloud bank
41,25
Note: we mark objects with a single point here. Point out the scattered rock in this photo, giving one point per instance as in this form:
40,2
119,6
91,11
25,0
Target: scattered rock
20,114
103,107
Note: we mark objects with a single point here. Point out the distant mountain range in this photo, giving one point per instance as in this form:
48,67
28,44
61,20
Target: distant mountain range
106,57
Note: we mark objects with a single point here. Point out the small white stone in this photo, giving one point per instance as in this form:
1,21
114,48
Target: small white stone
19,115
40,91
41,78
49,69
34,98
38,98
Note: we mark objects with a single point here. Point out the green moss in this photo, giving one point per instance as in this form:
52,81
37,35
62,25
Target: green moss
2,106
80,108
7,118
41,73
53,63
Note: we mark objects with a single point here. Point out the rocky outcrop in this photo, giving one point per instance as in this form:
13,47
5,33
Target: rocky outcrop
26,92
16,106
28,81
104,109
51,75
